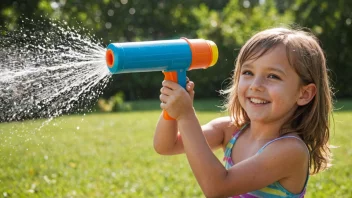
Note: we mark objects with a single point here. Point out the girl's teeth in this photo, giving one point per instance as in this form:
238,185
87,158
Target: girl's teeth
258,101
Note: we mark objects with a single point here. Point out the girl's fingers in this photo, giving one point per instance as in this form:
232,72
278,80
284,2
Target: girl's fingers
165,90
170,89
163,105
163,98
190,89
190,86
171,85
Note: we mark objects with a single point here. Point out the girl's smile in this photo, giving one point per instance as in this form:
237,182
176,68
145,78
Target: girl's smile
258,101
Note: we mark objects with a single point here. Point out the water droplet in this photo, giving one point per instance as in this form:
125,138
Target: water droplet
108,25
246,4
111,12
132,11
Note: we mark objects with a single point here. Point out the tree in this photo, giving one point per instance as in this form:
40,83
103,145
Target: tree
331,21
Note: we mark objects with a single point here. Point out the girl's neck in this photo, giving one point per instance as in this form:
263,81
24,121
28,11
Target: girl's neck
264,131
261,130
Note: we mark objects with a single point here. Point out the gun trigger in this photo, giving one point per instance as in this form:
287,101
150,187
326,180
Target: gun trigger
171,76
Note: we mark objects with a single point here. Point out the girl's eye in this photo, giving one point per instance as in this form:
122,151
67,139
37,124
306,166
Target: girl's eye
273,76
247,72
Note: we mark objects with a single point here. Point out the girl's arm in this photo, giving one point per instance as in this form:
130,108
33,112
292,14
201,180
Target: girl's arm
167,139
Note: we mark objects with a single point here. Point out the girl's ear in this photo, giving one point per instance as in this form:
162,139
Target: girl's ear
307,94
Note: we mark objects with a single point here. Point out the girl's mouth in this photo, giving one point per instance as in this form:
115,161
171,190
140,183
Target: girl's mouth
258,101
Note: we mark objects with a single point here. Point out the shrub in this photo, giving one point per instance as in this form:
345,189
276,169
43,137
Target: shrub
115,103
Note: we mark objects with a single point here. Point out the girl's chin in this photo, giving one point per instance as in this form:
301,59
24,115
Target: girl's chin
259,118
256,119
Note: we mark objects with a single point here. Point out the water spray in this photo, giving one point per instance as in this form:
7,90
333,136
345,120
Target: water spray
48,69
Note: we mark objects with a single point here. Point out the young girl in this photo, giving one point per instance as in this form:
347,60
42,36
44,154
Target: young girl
278,129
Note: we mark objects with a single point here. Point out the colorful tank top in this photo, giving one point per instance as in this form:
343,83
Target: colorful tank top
274,190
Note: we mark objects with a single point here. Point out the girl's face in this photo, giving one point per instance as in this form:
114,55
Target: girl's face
269,87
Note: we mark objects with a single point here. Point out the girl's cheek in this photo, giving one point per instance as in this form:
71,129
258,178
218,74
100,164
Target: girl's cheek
242,85
241,93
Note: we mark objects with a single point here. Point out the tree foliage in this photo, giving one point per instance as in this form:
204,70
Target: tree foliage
331,21
229,23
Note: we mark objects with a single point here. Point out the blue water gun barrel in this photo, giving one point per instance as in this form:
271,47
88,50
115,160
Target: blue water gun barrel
148,56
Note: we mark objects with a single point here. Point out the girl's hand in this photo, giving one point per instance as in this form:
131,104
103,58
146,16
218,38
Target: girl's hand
177,101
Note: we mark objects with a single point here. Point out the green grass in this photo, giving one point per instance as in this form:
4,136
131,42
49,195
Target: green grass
111,155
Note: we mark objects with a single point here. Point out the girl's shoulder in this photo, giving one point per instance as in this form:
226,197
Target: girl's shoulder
226,126
223,123
215,131
290,142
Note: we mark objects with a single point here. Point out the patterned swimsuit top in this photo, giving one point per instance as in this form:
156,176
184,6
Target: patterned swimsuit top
274,190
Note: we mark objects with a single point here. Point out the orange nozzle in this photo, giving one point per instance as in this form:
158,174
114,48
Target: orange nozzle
109,56
204,53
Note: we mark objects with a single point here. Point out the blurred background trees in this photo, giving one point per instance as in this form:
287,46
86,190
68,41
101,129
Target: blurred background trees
229,23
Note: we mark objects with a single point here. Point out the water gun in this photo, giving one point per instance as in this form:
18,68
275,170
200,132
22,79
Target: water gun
172,57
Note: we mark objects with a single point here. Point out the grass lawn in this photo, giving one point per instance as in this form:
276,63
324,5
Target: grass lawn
111,155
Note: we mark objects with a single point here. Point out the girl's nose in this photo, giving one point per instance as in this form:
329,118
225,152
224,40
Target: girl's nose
257,84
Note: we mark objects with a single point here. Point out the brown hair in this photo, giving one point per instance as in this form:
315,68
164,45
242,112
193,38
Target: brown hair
311,121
